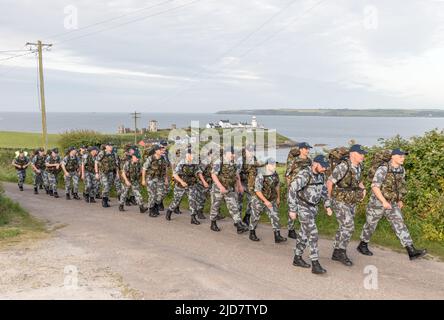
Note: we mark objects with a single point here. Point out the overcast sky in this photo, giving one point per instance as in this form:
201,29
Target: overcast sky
224,54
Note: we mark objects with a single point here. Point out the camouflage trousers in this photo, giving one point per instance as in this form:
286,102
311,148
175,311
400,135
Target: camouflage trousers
21,176
247,194
290,222
135,188
108,180
166,190
230,199
345,215
40,179
308,232
202,195
156,189
257,207
179,192
52,181
394,216
91,184
74,178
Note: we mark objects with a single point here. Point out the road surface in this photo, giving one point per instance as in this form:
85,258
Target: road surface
130,255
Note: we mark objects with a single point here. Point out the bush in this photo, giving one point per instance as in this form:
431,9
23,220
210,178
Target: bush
77,138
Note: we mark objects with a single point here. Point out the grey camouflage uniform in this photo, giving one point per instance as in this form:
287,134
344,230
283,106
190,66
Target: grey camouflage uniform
52,177
344,212
154,186
135,185
375,211
39,179
91,183
230,197
257,206
73,176
202,192
305,193
108,179
21,173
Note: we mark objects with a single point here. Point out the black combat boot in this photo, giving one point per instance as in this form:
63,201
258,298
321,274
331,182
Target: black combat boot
214,226
316,267
152,213
292,234
156,209
341,256
168,214
20,188
194,220
76,196
86,197
68,197
253,236
51,193
363,248
105,203
200,215
127,202
121,208
299,262
36,190
56,195
220,216
161,206
143,209
99,196
47,190
92,200
278,238
177,211
133,201
246,219
40,187
415,253
240,227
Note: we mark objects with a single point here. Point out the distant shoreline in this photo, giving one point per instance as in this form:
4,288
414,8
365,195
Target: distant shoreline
378,113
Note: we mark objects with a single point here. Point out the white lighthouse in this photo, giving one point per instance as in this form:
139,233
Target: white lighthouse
253,122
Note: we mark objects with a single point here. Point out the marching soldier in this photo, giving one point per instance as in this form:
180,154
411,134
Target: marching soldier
106,169
266,197
38,170
387,200
297,159
71,168
131,174
52,164
205,164
226,185
154,177
89,176
247,176
21,163
346,189
164,144
187,176
307,190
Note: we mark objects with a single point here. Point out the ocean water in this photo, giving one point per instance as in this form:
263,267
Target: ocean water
331,131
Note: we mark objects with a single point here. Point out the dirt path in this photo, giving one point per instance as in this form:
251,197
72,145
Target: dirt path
129,255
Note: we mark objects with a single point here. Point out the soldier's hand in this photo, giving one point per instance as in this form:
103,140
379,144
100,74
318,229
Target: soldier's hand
83,177
66,174
278,202
206,185
223,189
329,212
128,184
400,204
97,176
268,204
293,215
39,171
241,189
387,205
184,184
144,183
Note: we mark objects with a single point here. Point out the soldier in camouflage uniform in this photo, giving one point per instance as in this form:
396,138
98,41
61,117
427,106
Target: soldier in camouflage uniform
21,163
164,144
387,200
306,192
226,185
187,175
131,174
247,174
346,189
106,167
297,159
203,189
52,164
71,164
38,168
266,197
154,177
89,174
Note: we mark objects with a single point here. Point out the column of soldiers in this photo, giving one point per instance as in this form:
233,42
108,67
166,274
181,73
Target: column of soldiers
336,181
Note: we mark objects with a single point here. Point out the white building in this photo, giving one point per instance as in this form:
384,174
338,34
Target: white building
153,126
226,124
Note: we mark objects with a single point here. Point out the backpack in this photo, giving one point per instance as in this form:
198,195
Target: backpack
293,154
379,159
336,156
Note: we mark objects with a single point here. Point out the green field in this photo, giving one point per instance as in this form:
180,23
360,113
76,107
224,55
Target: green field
27,140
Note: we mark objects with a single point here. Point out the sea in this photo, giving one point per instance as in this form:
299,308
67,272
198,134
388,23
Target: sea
319,131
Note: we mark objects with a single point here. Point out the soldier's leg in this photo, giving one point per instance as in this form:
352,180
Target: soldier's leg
192,199
248,209
177,197
200,197
151,189
216,201
123,194
52,182
160,190
45,179
394,216
308,233
232,205
290,222
35,179
20,178
67,180
117,184
105,185
273,214
345,215
257,207
75,183
372,217
137,195
88,184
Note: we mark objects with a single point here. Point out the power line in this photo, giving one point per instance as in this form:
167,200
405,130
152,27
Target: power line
16,56
131,21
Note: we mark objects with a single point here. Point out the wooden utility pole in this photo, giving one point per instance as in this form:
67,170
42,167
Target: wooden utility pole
39,45
135,115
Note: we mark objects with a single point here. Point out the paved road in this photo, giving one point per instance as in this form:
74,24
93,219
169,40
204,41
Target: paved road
176,260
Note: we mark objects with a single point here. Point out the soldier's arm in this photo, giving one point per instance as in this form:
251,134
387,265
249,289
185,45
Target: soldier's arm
377,181
125,178
15,165
62,164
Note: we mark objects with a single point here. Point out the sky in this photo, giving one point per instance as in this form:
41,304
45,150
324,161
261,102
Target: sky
210,55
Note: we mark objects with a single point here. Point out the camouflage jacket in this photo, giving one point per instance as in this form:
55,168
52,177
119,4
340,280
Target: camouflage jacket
51,160
392,183
267,184
188,172
155,168
308,189
133,171
71,164
89,162
295,165
226,172
39,162
21,162
346,179
106,162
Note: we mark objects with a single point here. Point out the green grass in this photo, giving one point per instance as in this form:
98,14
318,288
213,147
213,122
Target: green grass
15,221
26,140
